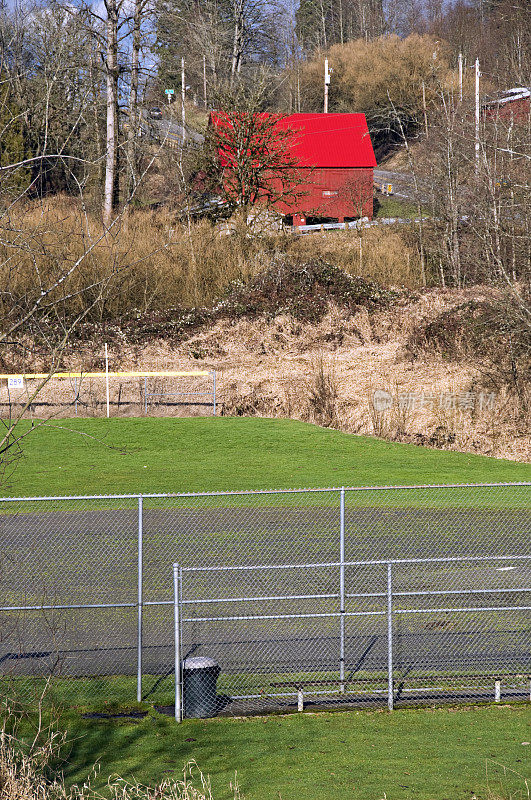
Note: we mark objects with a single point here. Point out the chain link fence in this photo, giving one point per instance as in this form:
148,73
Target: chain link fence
94,394
243,602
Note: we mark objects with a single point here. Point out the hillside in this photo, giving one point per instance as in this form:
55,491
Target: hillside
327,372
307,341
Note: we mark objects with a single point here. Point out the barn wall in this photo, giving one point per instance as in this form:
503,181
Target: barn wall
336,193
518,110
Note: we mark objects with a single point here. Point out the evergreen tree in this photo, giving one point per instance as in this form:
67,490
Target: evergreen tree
13,146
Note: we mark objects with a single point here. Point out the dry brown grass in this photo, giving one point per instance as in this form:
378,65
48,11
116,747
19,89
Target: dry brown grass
26,774
323,393
323,370
151,259
154,261
378,254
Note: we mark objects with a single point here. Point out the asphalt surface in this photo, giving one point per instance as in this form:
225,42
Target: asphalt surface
403,184
83,555
169,130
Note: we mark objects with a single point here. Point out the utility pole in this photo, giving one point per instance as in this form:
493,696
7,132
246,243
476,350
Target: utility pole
477,116
183,95
204,81
460,62
326,85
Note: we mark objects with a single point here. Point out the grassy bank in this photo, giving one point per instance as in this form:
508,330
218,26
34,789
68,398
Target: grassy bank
422,755
152,262
100,456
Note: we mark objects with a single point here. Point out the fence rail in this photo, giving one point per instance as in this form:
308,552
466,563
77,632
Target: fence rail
328,596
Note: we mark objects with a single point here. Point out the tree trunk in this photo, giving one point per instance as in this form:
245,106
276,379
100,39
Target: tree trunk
111,69
237,44
95,87
132,132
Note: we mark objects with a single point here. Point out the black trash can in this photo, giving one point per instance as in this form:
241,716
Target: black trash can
200,675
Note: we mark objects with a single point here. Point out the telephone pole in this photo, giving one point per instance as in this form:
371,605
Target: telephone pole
326,85
183,95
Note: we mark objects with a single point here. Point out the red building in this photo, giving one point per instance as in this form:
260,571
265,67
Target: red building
513,105
334,160
335,150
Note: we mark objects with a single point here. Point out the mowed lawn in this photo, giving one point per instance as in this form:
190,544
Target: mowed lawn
423,754
133,455
427,754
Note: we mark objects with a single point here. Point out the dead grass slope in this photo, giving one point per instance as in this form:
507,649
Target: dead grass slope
306,339
326,369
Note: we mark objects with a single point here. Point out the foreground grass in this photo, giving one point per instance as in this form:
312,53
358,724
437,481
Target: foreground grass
423,754
100,456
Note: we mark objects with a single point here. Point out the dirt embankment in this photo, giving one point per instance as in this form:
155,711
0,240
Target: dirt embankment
310,342
328,372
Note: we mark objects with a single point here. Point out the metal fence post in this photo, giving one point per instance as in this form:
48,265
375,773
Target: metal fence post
140,599
145,394
214,390
342,589
75,393
177,586
389,636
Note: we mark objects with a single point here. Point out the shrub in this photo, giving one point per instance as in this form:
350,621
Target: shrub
493,335
382,78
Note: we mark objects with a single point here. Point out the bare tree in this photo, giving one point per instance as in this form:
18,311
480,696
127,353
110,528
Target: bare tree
57,262
140,12
249,156
112,8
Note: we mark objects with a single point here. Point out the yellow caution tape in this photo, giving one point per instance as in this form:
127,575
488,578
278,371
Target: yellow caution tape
42,375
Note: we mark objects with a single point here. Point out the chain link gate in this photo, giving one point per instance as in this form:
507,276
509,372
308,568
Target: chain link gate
347,669
302,596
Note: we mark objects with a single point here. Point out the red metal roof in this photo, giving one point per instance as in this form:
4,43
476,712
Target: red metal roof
331,140
327,140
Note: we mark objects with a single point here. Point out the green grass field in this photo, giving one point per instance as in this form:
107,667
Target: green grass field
393,207
422,755
100,456
427,754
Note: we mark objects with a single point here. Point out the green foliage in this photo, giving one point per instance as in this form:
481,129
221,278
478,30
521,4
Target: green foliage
230,39
13,146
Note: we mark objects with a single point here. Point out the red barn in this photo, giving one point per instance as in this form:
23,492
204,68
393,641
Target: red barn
336,151
335,161
513,105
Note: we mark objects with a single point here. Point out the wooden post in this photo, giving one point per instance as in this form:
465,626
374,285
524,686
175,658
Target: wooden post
204,82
